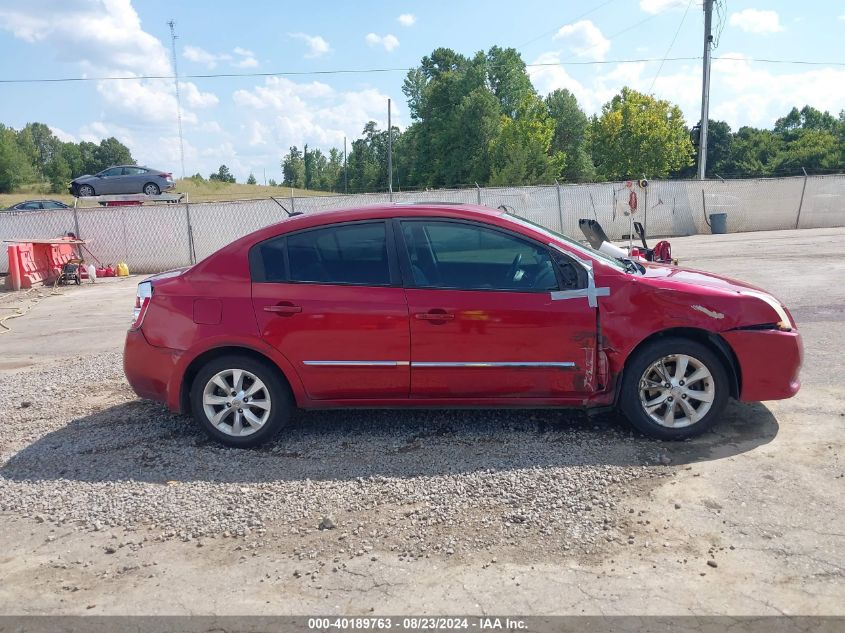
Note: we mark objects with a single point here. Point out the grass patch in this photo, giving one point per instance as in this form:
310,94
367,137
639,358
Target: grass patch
207,191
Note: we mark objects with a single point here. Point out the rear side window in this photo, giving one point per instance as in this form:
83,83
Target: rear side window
267,261
353,254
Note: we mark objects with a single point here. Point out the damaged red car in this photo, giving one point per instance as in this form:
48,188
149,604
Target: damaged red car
432,305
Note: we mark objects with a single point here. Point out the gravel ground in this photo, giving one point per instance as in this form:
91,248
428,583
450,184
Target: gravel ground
110,505
414,483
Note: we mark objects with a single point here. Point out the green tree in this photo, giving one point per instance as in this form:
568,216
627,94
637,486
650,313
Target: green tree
113,152
15,167
222,175
293,168
40,145
719,153
309,160
519,154
251,180
58,172
754,151
570,136
638,135
810,150
507,78
457,104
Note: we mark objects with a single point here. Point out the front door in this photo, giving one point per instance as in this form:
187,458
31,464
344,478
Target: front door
330,300
484,320
109,181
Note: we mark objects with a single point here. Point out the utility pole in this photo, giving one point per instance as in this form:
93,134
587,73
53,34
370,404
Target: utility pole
705,89
172,26
389,153
345,172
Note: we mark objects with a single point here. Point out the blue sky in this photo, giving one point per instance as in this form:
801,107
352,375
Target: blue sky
249,122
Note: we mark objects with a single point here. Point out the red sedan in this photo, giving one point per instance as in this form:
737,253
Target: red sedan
433,305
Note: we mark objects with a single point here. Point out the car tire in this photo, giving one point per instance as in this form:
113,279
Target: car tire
230,418
85,191
698,389
151,189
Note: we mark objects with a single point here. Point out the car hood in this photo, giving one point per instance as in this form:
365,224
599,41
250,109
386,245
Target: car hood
730,302
691,277
83,177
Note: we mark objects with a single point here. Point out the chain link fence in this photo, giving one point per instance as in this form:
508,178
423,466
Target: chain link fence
152,238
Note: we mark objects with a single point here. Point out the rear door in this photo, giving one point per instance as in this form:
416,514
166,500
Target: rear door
134,179
330,299
486,315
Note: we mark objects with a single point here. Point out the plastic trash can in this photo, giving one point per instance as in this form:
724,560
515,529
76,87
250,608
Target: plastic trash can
718,223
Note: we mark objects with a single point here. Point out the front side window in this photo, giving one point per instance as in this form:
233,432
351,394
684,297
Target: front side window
470,257
114,171
353,254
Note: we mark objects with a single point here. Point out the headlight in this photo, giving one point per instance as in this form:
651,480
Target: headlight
784,323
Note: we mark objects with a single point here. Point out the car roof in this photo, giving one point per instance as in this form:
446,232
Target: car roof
454,210
39,200
391,209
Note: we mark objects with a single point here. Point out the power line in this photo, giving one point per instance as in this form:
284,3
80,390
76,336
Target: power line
405,69
671,44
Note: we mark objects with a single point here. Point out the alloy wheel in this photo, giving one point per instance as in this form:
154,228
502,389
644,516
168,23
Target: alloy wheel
677,390
236,402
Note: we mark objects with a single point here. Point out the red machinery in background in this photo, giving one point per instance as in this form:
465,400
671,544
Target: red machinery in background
661,253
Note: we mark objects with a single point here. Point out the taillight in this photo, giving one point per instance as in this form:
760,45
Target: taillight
142,302
168,176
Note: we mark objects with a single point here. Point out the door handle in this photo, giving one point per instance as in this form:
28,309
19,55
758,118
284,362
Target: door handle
433,315
283,309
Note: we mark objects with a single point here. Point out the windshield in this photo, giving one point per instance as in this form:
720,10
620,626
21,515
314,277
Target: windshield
586,250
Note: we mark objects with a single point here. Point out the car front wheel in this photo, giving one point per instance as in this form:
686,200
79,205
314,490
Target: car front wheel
240,401
85,191
151,189
674,388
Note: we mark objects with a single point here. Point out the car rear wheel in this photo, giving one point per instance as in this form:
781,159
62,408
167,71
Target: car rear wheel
85,191
674,388
151,189
240,401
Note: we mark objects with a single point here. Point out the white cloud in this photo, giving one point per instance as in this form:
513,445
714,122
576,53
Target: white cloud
744,93
756,21
389,42
407,19
317,46
201,56
102,38
242,57
210,126
584,39
659,6
281,113
63,136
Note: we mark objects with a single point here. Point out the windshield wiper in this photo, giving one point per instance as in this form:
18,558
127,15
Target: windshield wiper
633,267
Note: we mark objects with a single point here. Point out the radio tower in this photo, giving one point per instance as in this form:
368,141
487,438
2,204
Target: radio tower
173,36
